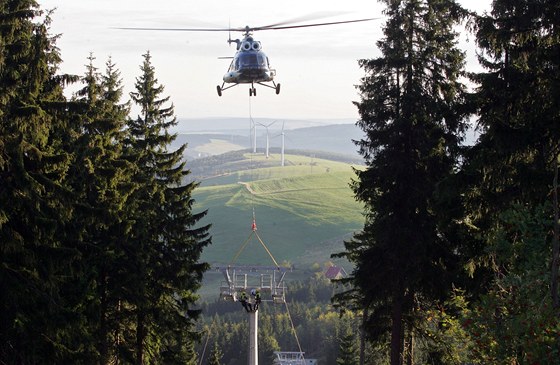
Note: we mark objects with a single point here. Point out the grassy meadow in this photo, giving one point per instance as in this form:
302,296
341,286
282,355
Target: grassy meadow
303,211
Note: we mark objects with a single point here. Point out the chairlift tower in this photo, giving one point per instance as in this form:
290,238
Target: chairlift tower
268,281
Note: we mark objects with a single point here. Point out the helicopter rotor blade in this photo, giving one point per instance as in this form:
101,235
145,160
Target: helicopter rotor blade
313,24
275,26
314,16
181,29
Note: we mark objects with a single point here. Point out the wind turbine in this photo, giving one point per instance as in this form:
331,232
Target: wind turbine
267,138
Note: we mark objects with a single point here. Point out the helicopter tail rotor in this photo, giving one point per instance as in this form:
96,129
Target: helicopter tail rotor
229,32
230,41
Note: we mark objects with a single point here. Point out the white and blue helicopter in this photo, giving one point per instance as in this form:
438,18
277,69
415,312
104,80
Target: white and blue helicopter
250,65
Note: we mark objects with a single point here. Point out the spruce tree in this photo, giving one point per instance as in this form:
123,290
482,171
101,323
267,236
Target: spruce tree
519,113
34,206
518,101
512,172
165,242
100,179
411,113
215,355
347,350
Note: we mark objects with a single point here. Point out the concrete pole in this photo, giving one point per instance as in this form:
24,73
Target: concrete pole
253,343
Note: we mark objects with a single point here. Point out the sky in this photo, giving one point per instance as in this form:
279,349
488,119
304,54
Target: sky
317,67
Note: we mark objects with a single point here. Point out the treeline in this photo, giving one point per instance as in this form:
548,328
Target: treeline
325,155
99,247
212,166
458,260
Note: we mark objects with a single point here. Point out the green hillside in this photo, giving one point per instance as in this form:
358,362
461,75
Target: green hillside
303,210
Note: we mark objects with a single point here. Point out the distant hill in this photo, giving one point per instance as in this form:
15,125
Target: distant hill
242,125
336,138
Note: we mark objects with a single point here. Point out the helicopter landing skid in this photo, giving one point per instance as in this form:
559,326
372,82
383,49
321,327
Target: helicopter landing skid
252,89
219,88
274,86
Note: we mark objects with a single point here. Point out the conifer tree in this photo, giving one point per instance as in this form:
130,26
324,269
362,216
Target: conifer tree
347,350
165,242
412,117
512,172
215,355
100,178
517,101
519,112
33,201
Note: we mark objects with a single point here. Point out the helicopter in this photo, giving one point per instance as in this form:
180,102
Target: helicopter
250,65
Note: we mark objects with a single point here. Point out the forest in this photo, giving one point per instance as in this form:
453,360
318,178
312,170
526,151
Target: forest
457,262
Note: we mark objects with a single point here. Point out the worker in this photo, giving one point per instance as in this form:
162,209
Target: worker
244,302
257,299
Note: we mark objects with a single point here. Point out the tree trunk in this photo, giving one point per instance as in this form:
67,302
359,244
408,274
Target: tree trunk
397,330
410,348
555,240
363,337
140,335
103,325
117,334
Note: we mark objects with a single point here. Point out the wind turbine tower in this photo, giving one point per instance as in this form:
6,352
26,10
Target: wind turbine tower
281,134
267,136
254,135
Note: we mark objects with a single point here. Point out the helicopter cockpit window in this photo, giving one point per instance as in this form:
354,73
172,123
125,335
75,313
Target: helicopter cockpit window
252,60
234,65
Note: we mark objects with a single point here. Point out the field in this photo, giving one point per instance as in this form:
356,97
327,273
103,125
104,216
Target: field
303,211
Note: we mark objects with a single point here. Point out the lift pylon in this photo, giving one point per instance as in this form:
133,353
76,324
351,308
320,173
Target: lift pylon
252,285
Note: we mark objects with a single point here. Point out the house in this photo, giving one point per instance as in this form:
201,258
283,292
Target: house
335,272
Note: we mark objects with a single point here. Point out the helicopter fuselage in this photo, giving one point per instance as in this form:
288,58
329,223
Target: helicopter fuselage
249,65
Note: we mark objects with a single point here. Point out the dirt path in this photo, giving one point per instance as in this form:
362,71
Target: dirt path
248,187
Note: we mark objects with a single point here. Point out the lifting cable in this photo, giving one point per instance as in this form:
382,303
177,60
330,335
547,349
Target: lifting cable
252,139
206,342
253,232
241,249
266,248
293,327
